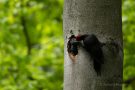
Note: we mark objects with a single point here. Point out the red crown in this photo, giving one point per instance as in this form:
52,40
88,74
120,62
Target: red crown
78,37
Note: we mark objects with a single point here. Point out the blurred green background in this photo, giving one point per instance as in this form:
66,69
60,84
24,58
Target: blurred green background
31,44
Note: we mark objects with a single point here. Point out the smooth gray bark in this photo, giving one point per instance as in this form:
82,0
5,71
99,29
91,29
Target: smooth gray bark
102,18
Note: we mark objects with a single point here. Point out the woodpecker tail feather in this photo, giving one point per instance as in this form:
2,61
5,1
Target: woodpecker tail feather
97,67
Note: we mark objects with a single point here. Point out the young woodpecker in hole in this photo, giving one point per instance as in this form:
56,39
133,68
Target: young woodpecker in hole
72,47
93,47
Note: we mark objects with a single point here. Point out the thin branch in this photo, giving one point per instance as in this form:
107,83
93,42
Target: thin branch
25,31
129,81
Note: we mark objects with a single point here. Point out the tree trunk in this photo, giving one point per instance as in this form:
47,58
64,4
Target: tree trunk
102,18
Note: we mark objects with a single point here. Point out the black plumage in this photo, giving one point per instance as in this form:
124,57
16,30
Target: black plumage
93,47
72,46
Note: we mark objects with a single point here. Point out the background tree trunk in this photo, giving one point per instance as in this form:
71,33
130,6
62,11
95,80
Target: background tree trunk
102,18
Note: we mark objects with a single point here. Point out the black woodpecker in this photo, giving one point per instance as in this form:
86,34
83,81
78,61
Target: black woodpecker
72,47
93,46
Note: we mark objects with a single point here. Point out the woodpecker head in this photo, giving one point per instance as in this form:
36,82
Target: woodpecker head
80,37
71,37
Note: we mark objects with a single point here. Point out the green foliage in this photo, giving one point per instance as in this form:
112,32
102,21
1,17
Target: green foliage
43,68
128,15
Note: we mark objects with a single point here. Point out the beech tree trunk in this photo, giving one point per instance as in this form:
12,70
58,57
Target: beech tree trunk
102,18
